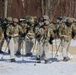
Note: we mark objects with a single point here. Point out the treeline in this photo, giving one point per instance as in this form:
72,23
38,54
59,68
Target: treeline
53,8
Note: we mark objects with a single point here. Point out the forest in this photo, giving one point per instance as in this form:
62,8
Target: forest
52,8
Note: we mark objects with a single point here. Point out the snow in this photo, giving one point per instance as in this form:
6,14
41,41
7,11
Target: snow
73,42
27,65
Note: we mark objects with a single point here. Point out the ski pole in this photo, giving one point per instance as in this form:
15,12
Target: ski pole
52,51
22,49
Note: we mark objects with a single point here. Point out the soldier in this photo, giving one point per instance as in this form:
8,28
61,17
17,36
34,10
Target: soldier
44,36
1,34
13,32
1,37
74,30
65,34
21,38
30,37
5,24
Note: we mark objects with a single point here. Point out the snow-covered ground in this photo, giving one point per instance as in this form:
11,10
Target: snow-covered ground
73,42
27,65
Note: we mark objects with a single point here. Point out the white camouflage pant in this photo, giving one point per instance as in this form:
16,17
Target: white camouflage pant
2,42
29,44
65,47
13,47
43,50
20,42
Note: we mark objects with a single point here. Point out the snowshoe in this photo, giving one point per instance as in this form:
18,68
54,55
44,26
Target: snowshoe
38,60
66,59
28,54
18,53
13,60
1,52
46,61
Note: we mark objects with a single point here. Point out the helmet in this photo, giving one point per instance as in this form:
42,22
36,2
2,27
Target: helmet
46,17
35,17
59,18
9,19
15,20
31,20
46,22
27,17
74,20
69,20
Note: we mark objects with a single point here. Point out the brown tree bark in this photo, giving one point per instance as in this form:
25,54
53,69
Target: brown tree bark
42,3
53,8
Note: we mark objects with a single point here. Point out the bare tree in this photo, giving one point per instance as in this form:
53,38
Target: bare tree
52,8
48,8
42,3
5,7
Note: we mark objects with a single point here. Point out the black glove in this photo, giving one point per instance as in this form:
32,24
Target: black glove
55,31
9,37
23,35
38,36
51,39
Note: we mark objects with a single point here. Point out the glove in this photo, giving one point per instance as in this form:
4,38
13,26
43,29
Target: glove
51,39
23,35
9,37
55,31
38,36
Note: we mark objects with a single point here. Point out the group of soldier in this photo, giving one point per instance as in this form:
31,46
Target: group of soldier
38,32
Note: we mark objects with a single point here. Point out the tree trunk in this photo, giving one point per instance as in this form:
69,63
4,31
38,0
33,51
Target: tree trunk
50,8
5,8
42,3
